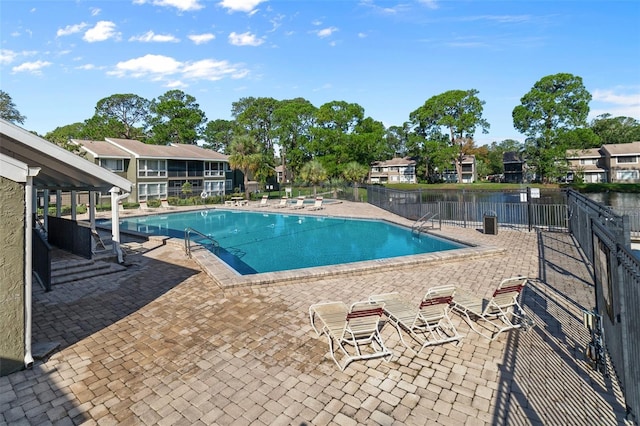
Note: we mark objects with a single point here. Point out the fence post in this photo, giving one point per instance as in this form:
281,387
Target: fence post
529,207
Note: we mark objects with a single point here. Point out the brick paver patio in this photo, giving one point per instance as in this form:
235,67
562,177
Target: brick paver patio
163,344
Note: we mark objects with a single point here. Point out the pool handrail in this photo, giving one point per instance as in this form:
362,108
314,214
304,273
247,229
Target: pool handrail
187,240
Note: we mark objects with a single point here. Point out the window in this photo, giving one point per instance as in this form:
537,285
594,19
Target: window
625,175
214,187
588,161
113,164
152,168
152,191
212,168
627,160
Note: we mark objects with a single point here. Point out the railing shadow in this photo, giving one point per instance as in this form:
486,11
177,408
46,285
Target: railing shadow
545,377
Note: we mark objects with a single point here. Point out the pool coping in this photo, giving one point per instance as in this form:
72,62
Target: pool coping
227,278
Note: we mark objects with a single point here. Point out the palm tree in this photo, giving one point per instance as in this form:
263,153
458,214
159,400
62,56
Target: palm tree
314,173
245,156
356,173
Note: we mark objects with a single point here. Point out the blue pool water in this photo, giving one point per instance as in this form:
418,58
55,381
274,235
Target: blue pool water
254,242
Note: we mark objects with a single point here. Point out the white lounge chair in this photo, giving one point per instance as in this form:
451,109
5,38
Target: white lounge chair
427,323
283,203
501,312
318,204
299,203
165,205
145,207
264,202
354,331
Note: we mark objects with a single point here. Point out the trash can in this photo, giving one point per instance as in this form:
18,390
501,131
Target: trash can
490,223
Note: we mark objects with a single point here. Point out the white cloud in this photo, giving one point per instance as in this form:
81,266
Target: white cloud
201,38
7,56
31,67
181,5
244,39
150,36
146,65
208,69
175,84
95,11
247,6
616,104
431,4
164,68
326,32
103,30
86,67
362,35
71,29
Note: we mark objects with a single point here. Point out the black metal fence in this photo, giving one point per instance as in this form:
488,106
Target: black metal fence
70,235
470,209
41,259
604,238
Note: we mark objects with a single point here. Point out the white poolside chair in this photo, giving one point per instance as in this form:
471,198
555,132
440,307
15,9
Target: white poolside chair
165,205
264,202
501,312
299,204
354,331
283,203
318,204
427,323
145,207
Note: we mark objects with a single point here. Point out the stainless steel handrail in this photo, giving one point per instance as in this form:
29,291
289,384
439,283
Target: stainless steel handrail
187,240
418,225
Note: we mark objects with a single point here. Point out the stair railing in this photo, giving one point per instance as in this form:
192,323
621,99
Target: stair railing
187,240
423,222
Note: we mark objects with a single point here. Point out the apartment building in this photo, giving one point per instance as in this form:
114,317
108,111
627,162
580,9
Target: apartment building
396,170
622,161
160,171
469,171
615,163
588,163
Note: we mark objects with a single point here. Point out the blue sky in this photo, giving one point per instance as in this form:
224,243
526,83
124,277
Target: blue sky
59,58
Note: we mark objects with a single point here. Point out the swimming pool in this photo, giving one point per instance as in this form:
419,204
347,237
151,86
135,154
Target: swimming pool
255,242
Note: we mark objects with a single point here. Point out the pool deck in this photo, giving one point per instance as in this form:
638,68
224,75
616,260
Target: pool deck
164,343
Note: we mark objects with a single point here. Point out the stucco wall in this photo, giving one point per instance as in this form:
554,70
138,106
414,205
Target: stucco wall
12,232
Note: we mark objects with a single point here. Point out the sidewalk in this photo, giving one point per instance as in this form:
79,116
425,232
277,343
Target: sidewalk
165,345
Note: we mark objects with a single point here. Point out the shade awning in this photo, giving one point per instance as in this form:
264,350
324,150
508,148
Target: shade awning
59,168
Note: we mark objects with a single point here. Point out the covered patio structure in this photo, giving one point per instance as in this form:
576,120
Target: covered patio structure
31,168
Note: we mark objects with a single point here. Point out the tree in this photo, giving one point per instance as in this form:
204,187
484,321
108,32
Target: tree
556,104
218,135
255,115
130,112
397,138
8,110
176,118
293,120
615,129
336,122
314,173
245,156
459,112
355,173
62,136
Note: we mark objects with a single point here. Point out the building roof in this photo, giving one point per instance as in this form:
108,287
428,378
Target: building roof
101,149
584,153
616,149
59,169
125,148
395,162
511,157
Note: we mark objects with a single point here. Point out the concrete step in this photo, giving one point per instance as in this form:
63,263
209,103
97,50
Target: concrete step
82,270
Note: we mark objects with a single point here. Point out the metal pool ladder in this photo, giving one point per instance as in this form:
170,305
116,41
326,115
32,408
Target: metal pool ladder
423,223
187,240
